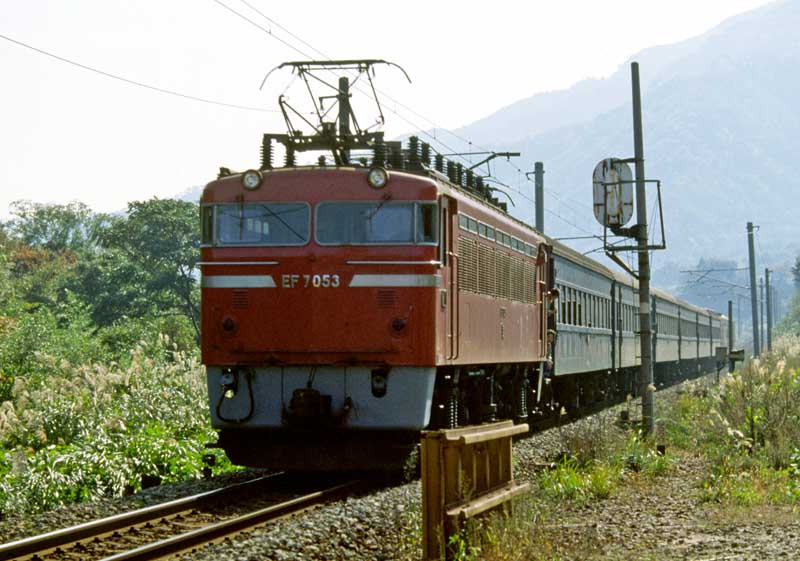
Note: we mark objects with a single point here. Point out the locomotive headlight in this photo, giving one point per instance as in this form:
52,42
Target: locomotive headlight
377,177
251,179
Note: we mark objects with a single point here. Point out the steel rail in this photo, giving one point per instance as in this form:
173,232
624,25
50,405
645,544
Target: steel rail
216,532
46,543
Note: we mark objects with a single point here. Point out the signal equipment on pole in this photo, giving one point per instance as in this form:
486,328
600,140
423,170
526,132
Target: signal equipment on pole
613,208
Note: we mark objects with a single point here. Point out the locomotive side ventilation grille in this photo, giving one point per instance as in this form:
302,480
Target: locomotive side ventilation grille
240,298
529,282
487,273
517,279
467,264
386,298
503,264
492,272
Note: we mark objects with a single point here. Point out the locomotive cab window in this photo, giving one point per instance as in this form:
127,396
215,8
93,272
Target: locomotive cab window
380,223
267,224
207,225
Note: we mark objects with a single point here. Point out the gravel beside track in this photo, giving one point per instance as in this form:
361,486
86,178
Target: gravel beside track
386,524
18,527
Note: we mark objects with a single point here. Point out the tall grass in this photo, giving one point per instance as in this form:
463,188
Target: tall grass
759,406
747,429
80,432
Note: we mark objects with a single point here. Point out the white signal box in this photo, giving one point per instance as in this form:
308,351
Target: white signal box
613,192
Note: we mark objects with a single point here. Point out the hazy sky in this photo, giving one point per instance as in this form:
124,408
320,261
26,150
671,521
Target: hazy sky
71,134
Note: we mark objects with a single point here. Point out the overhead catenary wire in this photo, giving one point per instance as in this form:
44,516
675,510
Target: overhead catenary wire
414,125
136,82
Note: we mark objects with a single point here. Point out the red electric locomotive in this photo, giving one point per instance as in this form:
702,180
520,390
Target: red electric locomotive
342,309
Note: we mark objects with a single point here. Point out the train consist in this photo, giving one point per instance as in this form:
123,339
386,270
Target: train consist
346,307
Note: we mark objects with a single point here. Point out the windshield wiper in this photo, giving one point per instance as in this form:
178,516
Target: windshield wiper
386,198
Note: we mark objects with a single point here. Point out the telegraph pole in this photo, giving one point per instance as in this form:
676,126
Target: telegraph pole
730,336
538,175
753,289
344,116
769,309
645,327
761,312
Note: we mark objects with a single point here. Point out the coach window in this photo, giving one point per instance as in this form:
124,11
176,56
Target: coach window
263,224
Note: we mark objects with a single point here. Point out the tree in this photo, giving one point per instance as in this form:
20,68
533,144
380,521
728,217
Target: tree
160,237
796,272
72,227
790,324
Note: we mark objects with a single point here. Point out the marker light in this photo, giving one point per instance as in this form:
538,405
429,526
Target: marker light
377,177
251,179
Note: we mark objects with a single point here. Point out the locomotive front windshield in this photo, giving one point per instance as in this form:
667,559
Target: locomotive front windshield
381,222
337,223
263,224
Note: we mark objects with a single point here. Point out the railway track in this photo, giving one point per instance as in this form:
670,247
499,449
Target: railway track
182,525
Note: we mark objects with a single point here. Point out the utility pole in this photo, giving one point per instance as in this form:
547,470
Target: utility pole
761,312
344,116
753,289
731,339
538,175
645,327
769,309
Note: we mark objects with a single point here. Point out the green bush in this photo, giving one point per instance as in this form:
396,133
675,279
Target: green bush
65,332
83,432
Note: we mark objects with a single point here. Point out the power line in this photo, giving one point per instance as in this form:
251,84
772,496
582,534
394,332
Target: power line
413,124
134,82
262,28
282,28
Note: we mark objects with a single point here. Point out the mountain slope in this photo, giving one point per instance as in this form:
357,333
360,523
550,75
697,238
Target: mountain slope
720,131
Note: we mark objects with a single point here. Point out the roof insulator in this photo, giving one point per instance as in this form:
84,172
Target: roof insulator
398,162
379,154
413,152
426,154
451,171
470,179
266,152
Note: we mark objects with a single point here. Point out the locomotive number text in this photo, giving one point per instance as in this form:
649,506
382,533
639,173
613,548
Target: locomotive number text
312,281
